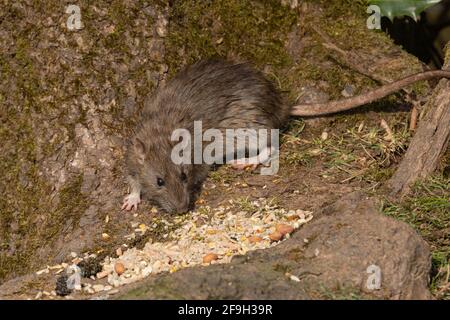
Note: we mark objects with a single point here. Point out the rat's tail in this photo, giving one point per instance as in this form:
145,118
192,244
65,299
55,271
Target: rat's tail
318,109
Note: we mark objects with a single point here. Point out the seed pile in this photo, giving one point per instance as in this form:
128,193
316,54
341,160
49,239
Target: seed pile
206,236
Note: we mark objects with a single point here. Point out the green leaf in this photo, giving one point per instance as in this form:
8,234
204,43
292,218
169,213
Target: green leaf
400,8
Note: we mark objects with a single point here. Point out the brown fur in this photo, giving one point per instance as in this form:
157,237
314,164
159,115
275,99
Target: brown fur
221,94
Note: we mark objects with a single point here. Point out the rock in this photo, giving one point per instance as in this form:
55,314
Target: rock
102,274
362,254
353,239
98,287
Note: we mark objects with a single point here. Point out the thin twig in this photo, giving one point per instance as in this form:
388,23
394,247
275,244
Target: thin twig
389,135
413,119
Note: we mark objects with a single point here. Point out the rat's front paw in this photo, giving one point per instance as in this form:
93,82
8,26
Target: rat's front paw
130,201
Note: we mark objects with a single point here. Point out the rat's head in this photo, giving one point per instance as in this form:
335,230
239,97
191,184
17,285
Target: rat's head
162,181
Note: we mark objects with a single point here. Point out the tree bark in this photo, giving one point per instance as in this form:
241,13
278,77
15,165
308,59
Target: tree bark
428,144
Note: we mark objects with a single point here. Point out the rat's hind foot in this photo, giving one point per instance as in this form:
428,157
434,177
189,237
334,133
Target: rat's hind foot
242,164
262,158
131,201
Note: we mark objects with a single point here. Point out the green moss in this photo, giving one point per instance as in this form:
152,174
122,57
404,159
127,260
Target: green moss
342,293
38,89
378,175
257,32
447,55
244,204
120,43
254,31
25,199
427,210
221,175
344,8
297,157
22,190
281,268
72,203
31,204
342,16
163,288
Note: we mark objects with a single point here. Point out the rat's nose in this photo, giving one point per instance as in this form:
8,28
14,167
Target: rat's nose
183,206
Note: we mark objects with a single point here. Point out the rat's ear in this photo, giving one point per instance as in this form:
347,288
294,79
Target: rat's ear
139,149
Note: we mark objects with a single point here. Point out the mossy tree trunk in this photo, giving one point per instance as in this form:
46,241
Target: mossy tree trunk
65,101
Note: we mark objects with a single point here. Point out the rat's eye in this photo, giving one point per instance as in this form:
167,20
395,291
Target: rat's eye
160,182
183,177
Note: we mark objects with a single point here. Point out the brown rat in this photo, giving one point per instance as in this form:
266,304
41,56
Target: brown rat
223,95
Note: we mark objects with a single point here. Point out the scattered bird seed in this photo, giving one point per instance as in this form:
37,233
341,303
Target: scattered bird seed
208,235
292,277
276,236
42,271
119,268
210,257
284,229
98,287
102,274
